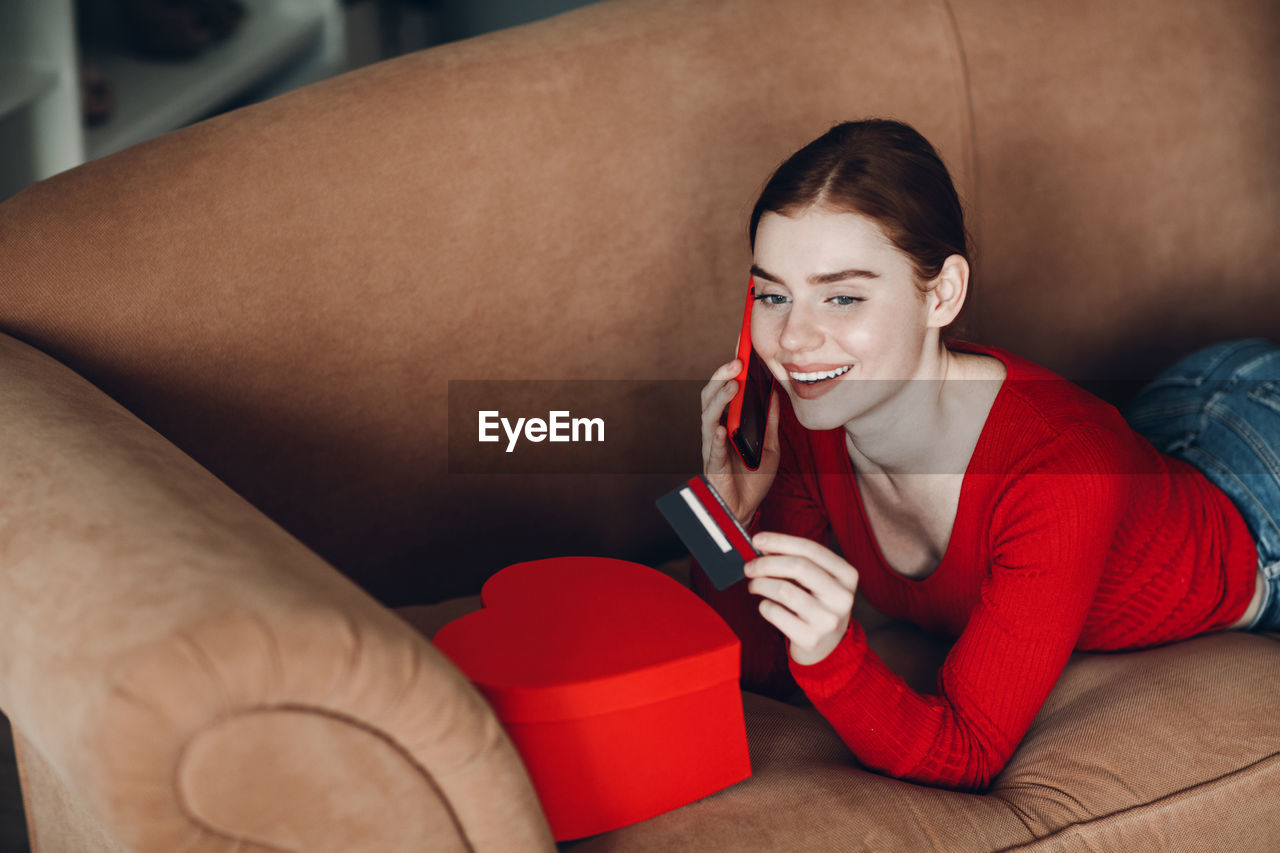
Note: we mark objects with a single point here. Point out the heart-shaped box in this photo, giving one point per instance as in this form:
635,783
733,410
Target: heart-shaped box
617,685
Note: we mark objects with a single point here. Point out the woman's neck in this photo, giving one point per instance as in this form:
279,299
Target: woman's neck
927,427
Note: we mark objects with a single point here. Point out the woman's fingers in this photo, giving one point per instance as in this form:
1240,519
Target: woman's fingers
714,405
803,602
772,543
728,370
810,623
713,434
799,584
808,592
783,619
713,449
716,394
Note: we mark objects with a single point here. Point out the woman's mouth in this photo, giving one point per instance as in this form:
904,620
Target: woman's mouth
809,385
819,375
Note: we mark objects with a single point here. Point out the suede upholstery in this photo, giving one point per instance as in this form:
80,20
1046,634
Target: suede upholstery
178,662
224,366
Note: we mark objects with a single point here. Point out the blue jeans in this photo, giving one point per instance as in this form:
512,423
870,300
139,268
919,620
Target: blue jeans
1219,409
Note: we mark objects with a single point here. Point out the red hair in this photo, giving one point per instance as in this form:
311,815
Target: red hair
884,170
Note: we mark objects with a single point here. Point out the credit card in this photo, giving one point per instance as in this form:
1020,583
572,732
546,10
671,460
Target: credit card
709,530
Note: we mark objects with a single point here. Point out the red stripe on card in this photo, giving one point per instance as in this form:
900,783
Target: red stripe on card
713,507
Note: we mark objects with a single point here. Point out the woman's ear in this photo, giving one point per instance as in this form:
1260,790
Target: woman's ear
947,291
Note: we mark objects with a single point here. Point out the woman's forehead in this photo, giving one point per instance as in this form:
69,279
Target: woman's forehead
816,240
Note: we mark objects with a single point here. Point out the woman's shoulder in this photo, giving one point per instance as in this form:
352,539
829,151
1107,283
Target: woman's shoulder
1041,397
1016,367
1042,421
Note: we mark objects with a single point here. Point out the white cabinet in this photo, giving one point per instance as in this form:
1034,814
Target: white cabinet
278,45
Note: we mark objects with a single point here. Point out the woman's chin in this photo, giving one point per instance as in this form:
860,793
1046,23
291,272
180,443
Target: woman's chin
814,417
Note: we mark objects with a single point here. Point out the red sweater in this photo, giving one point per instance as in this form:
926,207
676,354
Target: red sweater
1072,533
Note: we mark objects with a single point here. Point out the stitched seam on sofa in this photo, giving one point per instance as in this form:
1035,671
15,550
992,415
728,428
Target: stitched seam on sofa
324,712
1263,766
971,128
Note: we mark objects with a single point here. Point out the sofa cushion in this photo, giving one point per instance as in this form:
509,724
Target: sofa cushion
1170,748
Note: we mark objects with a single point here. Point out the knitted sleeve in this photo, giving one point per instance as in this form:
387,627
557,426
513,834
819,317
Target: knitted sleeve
1050,533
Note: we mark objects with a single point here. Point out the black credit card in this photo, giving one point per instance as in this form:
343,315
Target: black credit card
709,530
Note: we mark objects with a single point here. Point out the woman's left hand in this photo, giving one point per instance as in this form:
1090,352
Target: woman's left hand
808,592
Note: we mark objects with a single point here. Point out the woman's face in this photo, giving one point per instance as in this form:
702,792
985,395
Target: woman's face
834,298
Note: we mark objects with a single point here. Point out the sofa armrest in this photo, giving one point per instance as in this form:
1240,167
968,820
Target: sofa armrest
196,678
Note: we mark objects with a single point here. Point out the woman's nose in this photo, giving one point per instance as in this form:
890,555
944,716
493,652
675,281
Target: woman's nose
799,332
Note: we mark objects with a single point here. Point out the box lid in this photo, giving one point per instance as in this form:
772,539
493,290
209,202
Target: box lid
571,637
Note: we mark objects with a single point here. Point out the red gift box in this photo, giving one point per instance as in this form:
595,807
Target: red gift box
617,685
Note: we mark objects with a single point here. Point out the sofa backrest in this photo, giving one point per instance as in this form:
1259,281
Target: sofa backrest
286,291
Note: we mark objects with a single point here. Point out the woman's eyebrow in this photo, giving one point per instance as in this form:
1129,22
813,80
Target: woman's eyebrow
818,278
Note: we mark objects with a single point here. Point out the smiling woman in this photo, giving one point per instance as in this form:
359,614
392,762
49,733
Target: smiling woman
868,321
970,491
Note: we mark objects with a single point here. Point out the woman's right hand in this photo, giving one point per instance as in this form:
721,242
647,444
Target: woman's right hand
742,489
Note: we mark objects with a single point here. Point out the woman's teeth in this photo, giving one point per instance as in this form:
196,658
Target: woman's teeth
818,377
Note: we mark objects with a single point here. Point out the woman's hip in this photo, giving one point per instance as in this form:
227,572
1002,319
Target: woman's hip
1219,410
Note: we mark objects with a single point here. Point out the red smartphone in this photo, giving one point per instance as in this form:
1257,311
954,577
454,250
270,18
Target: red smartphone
748,411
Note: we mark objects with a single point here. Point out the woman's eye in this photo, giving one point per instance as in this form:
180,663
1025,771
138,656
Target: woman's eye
773,299
769,298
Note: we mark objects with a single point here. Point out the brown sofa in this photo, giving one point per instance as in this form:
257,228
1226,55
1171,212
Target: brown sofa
224,378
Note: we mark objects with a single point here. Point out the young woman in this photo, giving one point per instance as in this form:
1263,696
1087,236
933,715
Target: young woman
971,491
